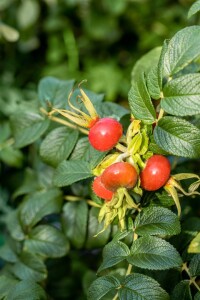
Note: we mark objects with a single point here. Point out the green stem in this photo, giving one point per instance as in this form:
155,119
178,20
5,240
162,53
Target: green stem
192,279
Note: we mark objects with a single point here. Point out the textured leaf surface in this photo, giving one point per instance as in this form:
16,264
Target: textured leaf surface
72,171
182,49
154,253
47,241
5,282
27,289
84,151
178,137
113,253
14,226
141,287
74,220
182,96
28,126
194,246
102,286
140,101
182,291
58,145
157,221
194,266
55,91
40,204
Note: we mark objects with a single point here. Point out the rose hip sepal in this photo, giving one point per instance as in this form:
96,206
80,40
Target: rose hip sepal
105,134
155,173
120,174
100,190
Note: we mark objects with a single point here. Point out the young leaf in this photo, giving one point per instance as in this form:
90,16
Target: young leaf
74,221
194,8
27,289
46,241
40,204
95,240
154,253
157,221
102,286
194,266
182,291
140,101
28,126
141,287
30,267
84,151
71,171
113,253
178,137
182,96
54,91
182,49
58,145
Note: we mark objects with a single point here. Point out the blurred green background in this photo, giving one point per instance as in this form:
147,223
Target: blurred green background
82,39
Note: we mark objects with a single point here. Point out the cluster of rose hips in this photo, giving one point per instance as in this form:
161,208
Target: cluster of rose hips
133,168
103,136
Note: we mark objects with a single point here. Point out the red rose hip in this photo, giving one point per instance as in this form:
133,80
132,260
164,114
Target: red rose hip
105,134
156,173
120,174
100,190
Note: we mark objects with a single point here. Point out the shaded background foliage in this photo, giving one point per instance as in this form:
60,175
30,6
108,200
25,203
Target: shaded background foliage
96,40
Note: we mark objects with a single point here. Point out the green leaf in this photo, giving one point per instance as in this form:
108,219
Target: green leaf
58,145
29,184
157,221
54,91
40,204
178,137
154,253
84,151
5,282
182,49
141,287
95,240
27,289
74,220
14,226
46,241
113,253
194,266
145,63
194,8
182,291
30,267
112,110
71,171
182,96
28,126
140,101
102,286
153,83
7,253
12,157
194,246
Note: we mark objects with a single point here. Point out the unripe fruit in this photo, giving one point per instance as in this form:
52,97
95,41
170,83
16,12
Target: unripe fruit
120,174
105,134
156,173
100,190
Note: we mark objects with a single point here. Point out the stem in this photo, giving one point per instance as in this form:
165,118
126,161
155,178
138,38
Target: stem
116,296
128,272
161,113
192,279
120,147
